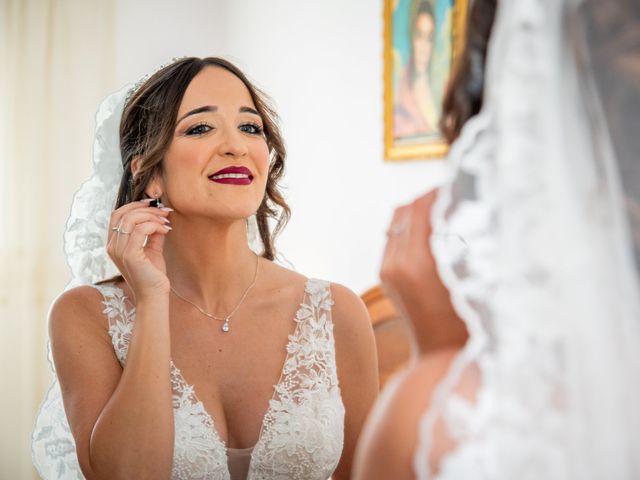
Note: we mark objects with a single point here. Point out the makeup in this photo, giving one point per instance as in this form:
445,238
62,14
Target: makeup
232,176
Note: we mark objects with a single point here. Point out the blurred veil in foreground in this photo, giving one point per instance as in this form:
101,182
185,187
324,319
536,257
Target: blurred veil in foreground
547,195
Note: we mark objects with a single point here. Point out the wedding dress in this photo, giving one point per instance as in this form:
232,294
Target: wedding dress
302,431
546,195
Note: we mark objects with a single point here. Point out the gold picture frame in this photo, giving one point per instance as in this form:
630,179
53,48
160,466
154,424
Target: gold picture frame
422,41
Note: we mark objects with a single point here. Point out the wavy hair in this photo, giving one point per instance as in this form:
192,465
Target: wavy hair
147,127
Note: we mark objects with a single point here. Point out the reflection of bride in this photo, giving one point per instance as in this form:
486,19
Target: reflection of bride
548,286
182,353
415,110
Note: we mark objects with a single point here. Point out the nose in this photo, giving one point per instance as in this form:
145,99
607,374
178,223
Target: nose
232,144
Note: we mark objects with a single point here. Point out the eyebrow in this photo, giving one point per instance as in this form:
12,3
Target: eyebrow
248,110
212,108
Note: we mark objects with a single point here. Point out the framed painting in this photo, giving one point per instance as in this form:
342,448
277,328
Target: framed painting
422,39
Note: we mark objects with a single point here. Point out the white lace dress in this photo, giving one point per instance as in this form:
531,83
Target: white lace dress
302,431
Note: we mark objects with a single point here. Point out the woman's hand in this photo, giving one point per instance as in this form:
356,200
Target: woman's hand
410,278
135,242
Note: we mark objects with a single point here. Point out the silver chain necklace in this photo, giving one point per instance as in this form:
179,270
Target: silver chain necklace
226,318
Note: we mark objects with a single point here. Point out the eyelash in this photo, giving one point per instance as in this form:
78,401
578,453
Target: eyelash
192,130
258,130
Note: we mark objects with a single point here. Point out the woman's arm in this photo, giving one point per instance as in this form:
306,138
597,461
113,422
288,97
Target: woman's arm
411,279
357,365
122,420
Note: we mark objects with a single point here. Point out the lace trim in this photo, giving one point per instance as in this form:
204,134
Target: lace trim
303,428
194,427
496,173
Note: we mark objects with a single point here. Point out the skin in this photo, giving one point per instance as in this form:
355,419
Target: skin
123,423
408,271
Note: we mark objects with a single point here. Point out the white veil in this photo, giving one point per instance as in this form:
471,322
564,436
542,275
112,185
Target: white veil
547,197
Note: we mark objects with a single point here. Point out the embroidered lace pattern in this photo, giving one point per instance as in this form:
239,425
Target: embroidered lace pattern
302,432
552,401
500,284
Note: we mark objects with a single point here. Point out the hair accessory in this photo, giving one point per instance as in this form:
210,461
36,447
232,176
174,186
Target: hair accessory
140,82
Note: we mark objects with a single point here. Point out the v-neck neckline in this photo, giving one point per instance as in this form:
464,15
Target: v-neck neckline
175,370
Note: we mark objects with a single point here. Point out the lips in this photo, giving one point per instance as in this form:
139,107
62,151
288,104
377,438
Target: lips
232,176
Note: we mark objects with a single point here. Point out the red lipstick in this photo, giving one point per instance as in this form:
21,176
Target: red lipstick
232,176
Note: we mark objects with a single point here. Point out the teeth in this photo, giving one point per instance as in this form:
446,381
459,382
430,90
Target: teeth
230,175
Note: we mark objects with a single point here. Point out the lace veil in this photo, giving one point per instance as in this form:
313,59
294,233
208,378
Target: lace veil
547,198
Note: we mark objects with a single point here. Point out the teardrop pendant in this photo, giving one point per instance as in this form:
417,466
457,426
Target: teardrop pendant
225,326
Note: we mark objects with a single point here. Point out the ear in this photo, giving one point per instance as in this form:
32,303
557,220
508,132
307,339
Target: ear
154,188
135,166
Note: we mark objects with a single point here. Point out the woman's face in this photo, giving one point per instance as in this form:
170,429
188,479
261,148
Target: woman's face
217,163
423,41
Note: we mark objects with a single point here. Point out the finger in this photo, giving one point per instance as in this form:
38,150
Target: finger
155,242
116,215
129,224
119,216
393,247
400,228
396,224
131,219
134,247
420,224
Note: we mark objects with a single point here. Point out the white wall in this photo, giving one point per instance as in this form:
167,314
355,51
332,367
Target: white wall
322,64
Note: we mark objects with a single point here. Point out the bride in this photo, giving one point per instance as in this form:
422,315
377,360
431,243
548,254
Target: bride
546,286
196,357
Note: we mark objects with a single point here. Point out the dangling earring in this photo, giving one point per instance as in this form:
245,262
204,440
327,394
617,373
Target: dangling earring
156,201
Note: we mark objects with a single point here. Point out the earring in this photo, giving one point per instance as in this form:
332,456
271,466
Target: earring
156,201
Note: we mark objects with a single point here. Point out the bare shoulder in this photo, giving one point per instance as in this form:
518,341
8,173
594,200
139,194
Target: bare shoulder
390,436
79,308
281,281
353,332
85,362
349,312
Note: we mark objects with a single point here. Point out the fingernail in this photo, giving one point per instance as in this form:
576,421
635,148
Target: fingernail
168,227
165,219
166,209
146,200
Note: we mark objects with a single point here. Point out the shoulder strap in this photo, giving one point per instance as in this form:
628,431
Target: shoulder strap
119,316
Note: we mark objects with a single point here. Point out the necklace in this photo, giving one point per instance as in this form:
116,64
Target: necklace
226,318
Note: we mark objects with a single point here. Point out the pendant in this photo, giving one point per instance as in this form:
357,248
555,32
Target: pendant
225,326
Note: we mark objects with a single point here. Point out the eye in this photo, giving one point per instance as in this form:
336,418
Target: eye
252,128
199,129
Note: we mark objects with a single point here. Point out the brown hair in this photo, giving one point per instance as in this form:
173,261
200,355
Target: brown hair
147,126
463,98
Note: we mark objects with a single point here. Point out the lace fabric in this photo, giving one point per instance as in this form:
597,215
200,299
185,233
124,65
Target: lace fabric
545,286
303,429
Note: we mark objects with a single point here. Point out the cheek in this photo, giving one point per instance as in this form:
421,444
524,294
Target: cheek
184,161
260,155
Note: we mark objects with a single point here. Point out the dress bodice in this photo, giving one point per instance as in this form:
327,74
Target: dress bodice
302,431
